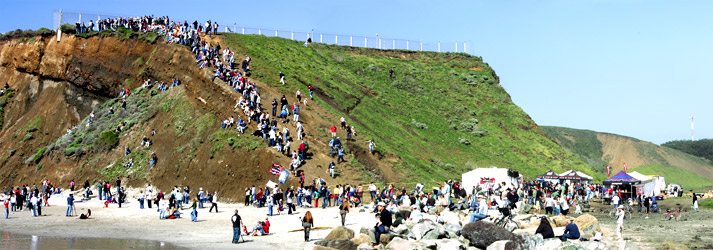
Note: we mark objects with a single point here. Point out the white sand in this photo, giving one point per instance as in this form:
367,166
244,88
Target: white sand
213,230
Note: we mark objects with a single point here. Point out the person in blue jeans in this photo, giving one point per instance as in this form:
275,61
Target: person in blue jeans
384,224
237,223
7,211
571,231
481,212
70,204
194,213
269,201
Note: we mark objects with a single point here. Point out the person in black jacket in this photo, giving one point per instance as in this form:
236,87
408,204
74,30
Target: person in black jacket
545,229
384,224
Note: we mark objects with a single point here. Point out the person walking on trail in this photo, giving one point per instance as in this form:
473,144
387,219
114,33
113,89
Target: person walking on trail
214,202
299,96
620,221
343,210
282,78
311,92
307,223
331,169
333,129
70,204
237,224
295,112
340,154
371,146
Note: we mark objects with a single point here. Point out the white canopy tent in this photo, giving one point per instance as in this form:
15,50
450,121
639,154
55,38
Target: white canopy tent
647,185
493,175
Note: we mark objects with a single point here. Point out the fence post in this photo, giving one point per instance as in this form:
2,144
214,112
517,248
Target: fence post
379,43
406,44
350,40
292,36
243,30
259,31
320,37
456,47
393,44
439,46
336,39
465,48
421,45
275,32
59,28
80,17
364,41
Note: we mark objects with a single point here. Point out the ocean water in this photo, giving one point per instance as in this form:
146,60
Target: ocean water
34,242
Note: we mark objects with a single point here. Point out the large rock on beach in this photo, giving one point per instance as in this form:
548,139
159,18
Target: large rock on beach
548,244
399,244
594,245
498,245
361,238
453,230
587,223
482,234
449,244
385,239
365,246
340,233
560,221
343,244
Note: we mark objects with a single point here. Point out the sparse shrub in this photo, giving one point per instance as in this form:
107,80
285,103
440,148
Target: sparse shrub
70,151
106,140
464,141
418,124
39,154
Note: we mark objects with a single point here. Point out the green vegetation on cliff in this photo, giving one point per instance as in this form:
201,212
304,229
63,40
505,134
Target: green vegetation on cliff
442,113
701,148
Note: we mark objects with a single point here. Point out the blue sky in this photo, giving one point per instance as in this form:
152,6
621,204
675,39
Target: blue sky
635,68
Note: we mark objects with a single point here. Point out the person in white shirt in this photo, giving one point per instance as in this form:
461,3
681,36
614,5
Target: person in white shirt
620,213
33,202
214,202
481,212
549,204
564,206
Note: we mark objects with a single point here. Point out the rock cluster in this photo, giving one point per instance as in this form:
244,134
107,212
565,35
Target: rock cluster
456,234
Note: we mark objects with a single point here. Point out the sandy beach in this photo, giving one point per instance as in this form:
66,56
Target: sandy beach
212,230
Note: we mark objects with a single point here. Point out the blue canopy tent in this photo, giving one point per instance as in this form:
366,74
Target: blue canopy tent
625,182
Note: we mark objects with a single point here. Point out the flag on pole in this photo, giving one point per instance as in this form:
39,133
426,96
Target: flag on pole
608,172
624,166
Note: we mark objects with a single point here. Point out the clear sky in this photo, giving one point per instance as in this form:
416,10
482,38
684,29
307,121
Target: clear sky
635,68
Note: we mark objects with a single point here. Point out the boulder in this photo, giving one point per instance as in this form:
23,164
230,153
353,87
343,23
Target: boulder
423,227
450,217
435,209
323,248
549,244
593,245
449,244
561,221
432,235
587,223
340,232
482,234
385,239
532,241
452,230
343,244
401,229
668,245
399,243
364,230
365,246
361,238
498,245
523,207
569,245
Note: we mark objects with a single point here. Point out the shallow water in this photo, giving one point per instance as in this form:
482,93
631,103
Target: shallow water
23,241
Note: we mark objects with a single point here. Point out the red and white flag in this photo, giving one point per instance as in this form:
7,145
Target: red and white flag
608,173
624,166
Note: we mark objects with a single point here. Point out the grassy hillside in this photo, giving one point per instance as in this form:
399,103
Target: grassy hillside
601,149
701,148
686,179
442,114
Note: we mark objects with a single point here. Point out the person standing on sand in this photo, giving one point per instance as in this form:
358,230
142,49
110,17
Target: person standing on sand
7,211
194,212
343,210
237,222
307,223
70,204
214,203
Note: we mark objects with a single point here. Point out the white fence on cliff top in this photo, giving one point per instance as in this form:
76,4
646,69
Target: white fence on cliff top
375,42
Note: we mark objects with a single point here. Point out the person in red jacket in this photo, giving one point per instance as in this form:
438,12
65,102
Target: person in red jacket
334,131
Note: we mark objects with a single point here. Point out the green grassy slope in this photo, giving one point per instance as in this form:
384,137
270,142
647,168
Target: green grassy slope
443,114
686,179
701,148
582,143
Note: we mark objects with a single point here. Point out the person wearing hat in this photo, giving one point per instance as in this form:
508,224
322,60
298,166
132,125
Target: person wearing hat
384,224
571,231
620,221
481,212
